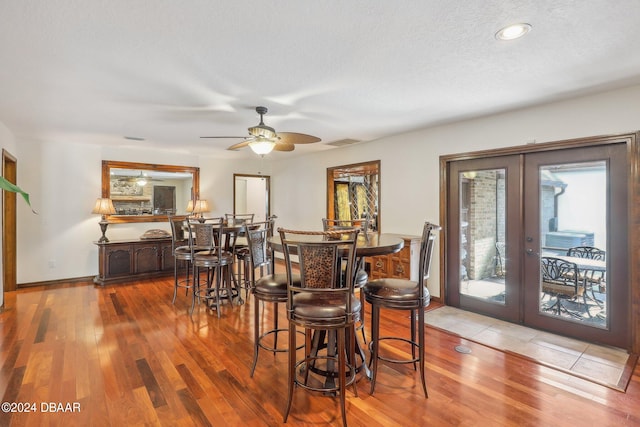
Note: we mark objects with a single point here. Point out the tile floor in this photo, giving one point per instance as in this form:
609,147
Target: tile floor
600,364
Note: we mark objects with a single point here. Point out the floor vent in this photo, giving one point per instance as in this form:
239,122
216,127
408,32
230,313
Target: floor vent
463,349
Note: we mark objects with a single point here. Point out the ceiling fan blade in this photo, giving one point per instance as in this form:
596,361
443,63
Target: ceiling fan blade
240,145
297,138
284,146
227,137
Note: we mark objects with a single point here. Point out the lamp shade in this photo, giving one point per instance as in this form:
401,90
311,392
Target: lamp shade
190,206
104,206
201,206
262,145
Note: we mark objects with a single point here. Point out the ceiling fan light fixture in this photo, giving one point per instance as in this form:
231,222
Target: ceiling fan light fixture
262,146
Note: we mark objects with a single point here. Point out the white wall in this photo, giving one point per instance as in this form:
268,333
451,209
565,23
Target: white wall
8,143
64,232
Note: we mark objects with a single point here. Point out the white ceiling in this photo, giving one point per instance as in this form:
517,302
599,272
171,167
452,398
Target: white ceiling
92,71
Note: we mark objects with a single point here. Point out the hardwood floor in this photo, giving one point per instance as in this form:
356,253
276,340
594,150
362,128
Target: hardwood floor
124,355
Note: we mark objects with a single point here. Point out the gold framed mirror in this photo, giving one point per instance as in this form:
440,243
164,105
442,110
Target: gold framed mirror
146,192
353,191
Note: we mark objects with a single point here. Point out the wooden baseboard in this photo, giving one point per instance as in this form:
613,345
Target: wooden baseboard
56,282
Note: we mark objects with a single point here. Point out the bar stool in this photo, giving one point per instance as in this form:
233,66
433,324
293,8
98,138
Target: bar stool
268,288
402,294
322,301
181,253
212,254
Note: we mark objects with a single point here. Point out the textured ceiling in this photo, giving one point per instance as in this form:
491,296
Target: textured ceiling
171,71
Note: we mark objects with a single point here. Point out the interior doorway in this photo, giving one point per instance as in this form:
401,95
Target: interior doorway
9,245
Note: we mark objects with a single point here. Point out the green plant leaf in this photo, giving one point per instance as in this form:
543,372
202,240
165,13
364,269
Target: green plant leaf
8,186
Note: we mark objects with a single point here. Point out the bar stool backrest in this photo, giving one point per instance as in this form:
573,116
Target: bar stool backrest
320,256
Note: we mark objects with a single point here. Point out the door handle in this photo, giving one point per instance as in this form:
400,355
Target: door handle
530,252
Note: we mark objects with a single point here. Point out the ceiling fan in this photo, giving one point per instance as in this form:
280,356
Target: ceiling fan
262,138
140,180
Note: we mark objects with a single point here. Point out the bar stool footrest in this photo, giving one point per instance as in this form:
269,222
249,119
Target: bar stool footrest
277,350
387,359
302,366
184,283
210,297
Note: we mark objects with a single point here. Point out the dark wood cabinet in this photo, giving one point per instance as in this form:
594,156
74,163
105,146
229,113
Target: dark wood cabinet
124,260
400,265
166,256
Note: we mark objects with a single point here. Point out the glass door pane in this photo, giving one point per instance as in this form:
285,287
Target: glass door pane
573,234
482,234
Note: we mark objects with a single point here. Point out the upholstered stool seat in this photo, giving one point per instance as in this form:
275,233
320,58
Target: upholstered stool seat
361,278
398,293
323,310
242,252
182,250
272,285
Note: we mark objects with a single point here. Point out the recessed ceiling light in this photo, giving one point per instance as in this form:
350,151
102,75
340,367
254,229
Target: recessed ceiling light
514,31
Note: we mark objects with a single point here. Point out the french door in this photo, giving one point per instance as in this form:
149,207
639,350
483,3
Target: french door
512,219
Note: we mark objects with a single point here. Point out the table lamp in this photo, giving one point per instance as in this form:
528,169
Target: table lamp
200,207
104,206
